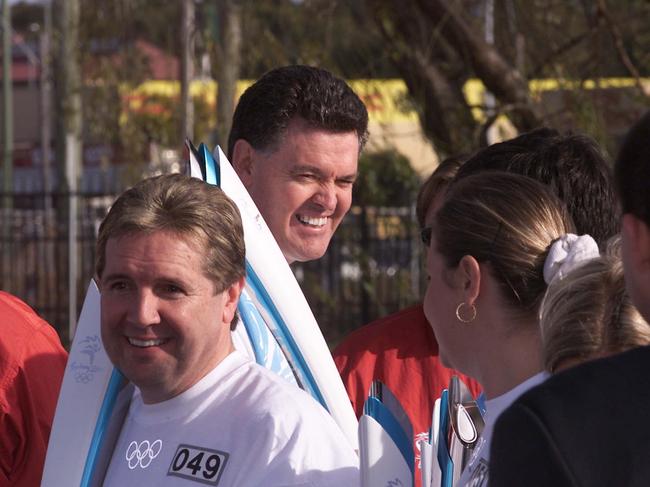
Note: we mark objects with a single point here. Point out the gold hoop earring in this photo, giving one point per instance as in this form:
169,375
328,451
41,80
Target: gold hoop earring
472,312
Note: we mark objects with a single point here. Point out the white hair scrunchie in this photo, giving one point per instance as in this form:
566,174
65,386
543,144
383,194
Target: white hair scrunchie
566,253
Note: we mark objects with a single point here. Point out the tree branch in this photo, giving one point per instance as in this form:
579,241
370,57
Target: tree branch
505,82
567,46
444,115
614,31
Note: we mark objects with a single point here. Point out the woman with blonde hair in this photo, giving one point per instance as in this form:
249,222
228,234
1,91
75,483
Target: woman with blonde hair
491,241
589,314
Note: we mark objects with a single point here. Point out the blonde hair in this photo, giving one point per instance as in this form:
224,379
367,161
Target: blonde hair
589,314
508,221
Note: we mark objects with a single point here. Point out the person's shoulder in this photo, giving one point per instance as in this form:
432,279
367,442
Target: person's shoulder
413,315
270,390
588,381
589,392
272,402
25,323
561,423
14,307
385,331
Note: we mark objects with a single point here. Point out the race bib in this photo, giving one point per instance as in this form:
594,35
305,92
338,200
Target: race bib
198,464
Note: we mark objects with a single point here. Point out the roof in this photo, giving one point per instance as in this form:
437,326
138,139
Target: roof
26,59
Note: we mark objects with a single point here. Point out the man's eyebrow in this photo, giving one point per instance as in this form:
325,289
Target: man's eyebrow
316,170
305,168
113,276
348,177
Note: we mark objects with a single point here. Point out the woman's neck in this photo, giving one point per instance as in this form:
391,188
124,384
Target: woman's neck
512,358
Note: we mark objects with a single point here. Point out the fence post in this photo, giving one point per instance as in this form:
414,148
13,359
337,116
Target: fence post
365,268
72,163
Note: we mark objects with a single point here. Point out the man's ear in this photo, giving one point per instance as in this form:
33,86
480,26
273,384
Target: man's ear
468,278
636,237
232,298
242,160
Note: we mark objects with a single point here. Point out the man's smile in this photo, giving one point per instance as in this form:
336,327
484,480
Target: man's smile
152,342
312,221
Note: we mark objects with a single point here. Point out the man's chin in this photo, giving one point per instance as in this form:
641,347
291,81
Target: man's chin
305,254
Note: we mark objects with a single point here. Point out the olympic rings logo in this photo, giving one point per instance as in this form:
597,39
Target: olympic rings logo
142,454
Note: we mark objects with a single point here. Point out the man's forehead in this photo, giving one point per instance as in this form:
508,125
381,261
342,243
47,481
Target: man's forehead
191,243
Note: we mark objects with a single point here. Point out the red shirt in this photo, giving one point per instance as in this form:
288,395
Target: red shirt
32,362
401,351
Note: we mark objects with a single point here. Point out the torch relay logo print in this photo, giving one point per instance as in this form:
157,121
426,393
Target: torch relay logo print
142,454
85,372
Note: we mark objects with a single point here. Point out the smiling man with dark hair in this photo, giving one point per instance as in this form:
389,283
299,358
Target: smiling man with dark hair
295,141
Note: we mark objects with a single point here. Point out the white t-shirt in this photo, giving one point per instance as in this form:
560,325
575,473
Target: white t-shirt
475,473
242,426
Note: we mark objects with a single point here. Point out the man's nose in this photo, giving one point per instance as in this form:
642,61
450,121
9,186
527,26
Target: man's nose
144,309
326,196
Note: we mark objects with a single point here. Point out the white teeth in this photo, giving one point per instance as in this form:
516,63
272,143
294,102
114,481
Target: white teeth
145,343
315,222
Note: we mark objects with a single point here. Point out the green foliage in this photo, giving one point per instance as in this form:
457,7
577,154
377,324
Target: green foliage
154,120
385,179
574,39
157,120
127,20
360,39
325,33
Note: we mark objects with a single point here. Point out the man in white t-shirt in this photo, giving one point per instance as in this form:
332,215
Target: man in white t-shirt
170,267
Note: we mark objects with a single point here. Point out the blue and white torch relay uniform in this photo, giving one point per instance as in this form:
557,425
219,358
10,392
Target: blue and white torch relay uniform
240,425
476,472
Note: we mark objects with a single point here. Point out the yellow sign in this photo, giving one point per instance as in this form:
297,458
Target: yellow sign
387,100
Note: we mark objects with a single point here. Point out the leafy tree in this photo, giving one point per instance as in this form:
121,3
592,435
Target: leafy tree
385,179
438,45
319,32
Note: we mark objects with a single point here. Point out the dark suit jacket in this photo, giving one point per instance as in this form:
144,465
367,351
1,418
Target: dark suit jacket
587,426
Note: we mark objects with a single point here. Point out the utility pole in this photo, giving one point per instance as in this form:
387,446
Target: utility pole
49,217
490,102
46,108
229,65
187,70
7,92
8,140
68,135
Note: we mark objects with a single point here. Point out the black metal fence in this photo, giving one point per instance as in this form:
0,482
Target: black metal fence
373,265
372,268
36,252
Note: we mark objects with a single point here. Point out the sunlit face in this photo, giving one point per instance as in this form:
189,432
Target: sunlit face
437,304
440,301
303,187
162,324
